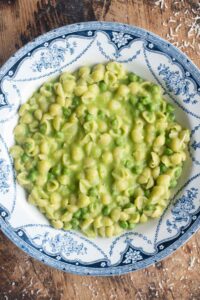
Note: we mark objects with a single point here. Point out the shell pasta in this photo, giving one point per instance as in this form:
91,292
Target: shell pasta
99,150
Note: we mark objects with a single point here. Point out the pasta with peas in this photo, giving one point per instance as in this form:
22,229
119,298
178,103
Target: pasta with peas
99,150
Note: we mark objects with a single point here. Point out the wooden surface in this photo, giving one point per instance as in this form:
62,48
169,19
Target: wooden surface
178,276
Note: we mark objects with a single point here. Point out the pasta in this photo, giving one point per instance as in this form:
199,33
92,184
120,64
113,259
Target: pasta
99,150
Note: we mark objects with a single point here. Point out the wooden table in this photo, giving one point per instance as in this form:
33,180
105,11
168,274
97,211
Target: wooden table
178,276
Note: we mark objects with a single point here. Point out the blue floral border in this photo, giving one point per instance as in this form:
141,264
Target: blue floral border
167,246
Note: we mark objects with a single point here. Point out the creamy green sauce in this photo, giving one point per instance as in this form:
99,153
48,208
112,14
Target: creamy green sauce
99,150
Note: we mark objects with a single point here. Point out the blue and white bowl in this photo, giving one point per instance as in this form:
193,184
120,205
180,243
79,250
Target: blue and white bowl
149,56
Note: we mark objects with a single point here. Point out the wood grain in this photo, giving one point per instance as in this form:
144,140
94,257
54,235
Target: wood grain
21,277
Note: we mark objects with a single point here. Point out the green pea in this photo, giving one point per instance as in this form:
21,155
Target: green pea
84,210
89,117
131,226
145,100
123,224
140,106
42,128
171,116
32,175
135,113
167,141
73,187
139,79
128,164
50,176
27,146
106,211
178,172
150,207
93,192
173,183
60,135
136,170
101,114
163,168
128,205
75,223
170,108
77,214
119,141
151,107
132,77
86,216
114,123
66,112
65,171
155,89
76,101
102,86
56,170
25,158
168,151
147,193
133,100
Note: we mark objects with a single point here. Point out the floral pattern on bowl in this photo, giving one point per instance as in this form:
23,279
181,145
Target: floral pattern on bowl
67,48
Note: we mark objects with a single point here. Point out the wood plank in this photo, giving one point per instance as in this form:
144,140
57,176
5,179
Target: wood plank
21,277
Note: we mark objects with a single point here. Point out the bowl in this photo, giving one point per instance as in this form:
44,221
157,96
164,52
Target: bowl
68,48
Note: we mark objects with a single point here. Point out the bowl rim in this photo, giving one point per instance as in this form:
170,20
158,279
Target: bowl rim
53,34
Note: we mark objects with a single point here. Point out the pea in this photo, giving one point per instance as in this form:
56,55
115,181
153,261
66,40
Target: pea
101,114
42,128
133,100
27,146
76,101
131,226
151,107
155,89
128,164
139,79
132,77
25,158
163,168
145,100
119,141
77,214
60,135
147,193
56,170
140,107
168,151
136,170
173,184
93,192
75,223
65,171
86,216
102,86
50,176
128,205
135,113
123,224
106,211
178,172
32,175
167,141
170,108
89,117
171,116
66,112
84,210
114,123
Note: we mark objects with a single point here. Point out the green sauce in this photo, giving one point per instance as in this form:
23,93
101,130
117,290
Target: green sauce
99,150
